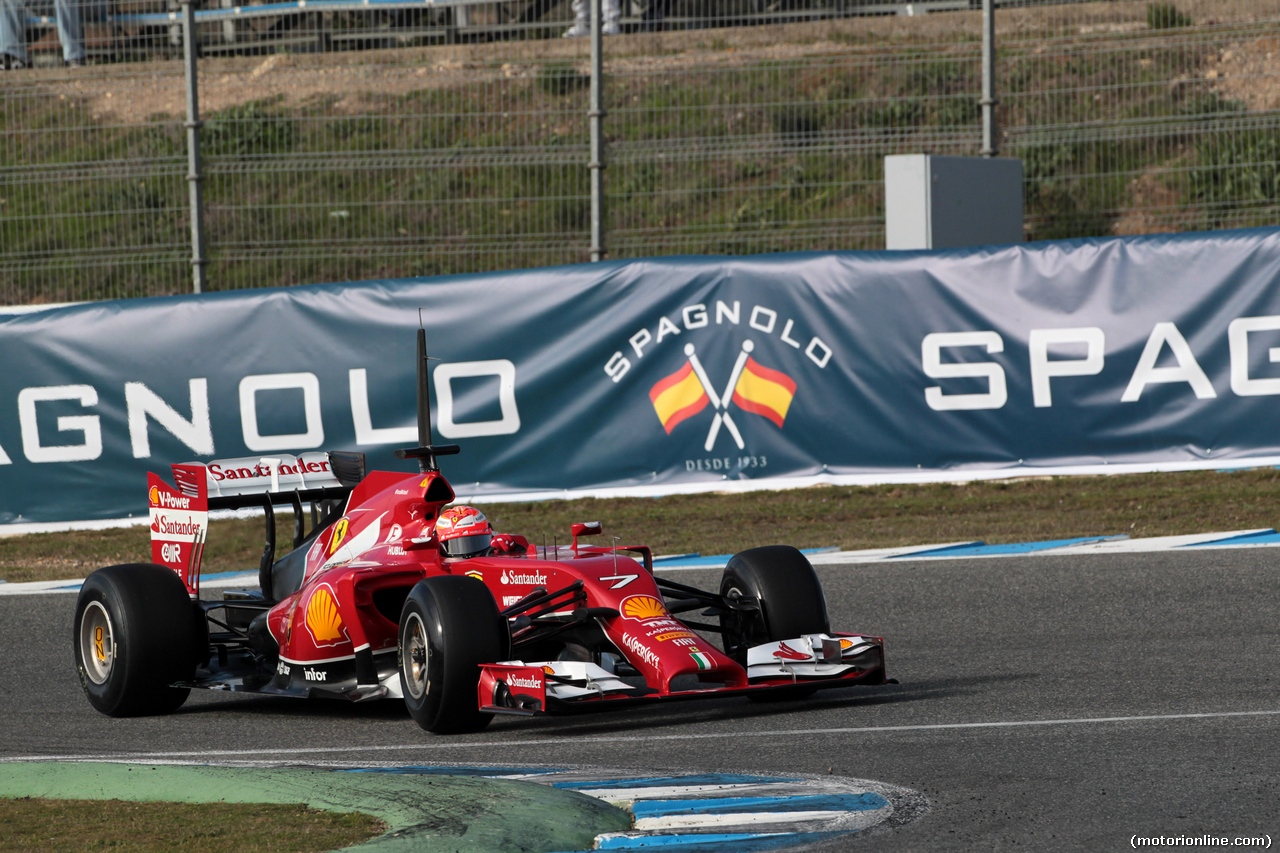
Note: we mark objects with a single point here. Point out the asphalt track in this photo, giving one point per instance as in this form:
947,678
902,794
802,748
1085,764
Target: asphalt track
1045,703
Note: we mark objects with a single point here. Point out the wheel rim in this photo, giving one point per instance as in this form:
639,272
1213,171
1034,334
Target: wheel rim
97,643
414,654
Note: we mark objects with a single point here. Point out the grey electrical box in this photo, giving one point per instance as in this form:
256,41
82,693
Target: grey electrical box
951,202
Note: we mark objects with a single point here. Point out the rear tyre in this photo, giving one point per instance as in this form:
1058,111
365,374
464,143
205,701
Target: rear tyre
449,625
790,599
134,636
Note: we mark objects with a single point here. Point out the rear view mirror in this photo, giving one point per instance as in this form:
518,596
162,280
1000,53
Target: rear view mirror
587,528
348,467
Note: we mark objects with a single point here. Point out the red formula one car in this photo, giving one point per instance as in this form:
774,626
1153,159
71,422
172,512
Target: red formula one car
391,595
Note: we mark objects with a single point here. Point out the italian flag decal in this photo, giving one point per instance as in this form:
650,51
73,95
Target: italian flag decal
701,660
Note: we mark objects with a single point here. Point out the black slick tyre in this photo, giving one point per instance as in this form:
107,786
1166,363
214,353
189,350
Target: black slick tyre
134,636
449,625
789,596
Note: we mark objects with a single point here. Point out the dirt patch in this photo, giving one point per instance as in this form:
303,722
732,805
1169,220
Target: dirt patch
350,81
1248,72
1154,207
133,93
134,99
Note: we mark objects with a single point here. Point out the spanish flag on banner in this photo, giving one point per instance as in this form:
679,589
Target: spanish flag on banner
678,397
764,392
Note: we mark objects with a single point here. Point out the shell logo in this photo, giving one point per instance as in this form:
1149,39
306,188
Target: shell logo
154,495
339,533
642,607
477,575
323,619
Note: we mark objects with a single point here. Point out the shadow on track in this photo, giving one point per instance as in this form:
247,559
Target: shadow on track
282,707
720,710
654,718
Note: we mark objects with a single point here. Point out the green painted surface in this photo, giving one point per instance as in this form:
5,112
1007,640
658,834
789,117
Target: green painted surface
424,813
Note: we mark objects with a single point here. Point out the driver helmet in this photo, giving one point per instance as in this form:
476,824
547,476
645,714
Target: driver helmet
464,531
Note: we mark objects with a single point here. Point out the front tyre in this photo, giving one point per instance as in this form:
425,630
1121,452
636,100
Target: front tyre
448,627
789,602
134,631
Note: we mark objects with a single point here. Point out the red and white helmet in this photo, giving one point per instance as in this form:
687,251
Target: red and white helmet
464,531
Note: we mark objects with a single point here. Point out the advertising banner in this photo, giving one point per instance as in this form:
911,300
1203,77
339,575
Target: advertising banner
671,374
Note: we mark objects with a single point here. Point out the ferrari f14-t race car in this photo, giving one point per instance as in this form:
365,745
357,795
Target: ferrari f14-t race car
394,594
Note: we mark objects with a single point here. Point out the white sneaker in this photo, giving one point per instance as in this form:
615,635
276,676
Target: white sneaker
577,32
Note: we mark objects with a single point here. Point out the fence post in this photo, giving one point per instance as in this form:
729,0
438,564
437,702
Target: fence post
989,142
596,115
193,148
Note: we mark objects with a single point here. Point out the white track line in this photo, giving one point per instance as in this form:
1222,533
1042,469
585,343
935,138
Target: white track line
875,555
627,795
825,558
1157,543
221,581
921,552
734,735
739,819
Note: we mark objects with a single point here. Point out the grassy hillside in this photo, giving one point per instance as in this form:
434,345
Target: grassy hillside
456,158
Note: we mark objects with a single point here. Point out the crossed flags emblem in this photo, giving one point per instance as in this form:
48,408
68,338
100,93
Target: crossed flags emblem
752,387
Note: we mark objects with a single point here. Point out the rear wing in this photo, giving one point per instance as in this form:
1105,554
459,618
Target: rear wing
179,523
180,517
248,480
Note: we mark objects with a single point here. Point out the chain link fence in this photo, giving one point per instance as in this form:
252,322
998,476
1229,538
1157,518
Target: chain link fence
348,140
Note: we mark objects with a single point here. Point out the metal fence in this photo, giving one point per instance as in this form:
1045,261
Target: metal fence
344,139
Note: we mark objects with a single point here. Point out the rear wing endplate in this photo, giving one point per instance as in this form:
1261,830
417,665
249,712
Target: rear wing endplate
179,522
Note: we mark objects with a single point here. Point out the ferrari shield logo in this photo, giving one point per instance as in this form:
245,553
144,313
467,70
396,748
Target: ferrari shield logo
339,534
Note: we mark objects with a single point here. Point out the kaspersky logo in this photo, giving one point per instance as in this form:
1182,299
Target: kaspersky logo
751,387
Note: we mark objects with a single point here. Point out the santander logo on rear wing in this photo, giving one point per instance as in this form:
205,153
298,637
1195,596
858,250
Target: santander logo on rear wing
256,475
180,517
179,522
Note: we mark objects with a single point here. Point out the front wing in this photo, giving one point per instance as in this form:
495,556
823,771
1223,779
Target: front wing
810,662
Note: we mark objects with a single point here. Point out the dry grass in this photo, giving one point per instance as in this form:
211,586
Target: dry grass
848,517
28,824
884,516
